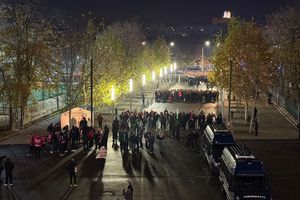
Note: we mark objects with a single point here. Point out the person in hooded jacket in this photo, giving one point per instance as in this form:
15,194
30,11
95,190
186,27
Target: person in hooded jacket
72,169
9,166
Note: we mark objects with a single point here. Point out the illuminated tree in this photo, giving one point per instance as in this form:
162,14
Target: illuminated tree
283,34
245,46
29,56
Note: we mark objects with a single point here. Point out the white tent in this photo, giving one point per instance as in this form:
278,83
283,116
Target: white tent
76,115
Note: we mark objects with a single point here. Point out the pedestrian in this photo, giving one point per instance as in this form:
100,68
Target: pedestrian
115,130
255,113
128,192
37,145
256,127
72,169
143,99
1,166
105,135
9,167
100,120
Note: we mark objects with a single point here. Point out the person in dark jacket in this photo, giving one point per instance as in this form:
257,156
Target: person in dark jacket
105,135
1,165
115,130
9,167
128,193
72,172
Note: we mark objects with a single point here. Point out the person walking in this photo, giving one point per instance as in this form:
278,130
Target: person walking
105,135
72,169
128,192
1,166
256,127
143,99
115,130
100,120
9,167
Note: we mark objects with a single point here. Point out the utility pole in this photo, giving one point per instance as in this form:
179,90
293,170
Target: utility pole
92,117
229,93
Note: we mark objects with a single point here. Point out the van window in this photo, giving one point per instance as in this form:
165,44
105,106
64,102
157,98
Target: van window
250,182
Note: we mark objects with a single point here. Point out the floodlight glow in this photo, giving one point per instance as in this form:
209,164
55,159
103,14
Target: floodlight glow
175,66
171,68
160,72
165,70
153,75
207,43
130,85
113,93
144,79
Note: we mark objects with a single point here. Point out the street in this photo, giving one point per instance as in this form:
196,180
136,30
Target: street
177,173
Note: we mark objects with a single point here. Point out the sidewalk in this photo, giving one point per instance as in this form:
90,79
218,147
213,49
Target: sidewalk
272,125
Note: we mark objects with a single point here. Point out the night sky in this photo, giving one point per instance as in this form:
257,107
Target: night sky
175,12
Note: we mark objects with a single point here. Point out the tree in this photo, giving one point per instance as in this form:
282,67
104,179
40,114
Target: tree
29,56
246,47
283,34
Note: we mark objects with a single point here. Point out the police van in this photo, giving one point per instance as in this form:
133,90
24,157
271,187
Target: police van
242,176
215,138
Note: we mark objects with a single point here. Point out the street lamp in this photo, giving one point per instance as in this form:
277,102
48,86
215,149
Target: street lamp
144,80
172,44
229,92
171,72
113,93
207,44
113,99
175,66
166,72
153,75
130,90
160,72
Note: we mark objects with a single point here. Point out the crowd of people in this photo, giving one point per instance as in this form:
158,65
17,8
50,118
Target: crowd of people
133,127
189,96
59,140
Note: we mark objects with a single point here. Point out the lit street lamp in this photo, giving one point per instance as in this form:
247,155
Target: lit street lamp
172,44
166,72
153,75
171,72
113,98
207,44
143,81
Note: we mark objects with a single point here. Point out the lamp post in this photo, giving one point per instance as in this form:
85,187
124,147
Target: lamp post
153,75
229,92
130,90
207,44
144,81
92,117
166,72
113,98
171,72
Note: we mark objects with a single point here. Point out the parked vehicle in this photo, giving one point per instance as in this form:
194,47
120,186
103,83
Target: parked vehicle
216,137
242,176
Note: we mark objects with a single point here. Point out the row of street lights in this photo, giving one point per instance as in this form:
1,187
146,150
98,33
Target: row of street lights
173,67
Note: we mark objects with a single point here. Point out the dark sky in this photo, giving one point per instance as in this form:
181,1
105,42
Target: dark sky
167,11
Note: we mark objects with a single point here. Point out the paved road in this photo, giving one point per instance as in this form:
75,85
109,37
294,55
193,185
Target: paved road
176,174
281,159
